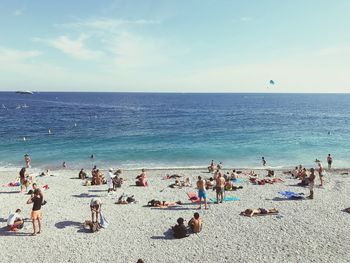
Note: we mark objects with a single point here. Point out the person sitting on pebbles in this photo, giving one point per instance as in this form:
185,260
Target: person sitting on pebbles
195,223
15,221
142,179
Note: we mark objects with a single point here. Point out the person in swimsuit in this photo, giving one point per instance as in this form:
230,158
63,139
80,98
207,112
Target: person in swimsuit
27,160
263,161
195,223
329,161
95,207
259,211
320,170
36,214
220,187
201,192
311,180
22,177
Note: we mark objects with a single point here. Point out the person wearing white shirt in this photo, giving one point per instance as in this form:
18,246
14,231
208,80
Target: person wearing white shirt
110,177
15,221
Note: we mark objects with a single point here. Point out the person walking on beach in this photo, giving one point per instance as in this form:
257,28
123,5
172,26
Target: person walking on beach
329,161
23,180
110,177
202,194
36,214
220,184
27,160
320,170
311,179
263,161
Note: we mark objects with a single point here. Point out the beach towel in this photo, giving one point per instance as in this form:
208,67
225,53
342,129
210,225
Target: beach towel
193,197
238,180
227,199
292,195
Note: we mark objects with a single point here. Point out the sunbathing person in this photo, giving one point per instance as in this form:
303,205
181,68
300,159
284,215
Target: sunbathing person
142,179
173,176
229,186
23,180
44,173
15,221
209,184
233,175
259,211
211,167
82,174
163,204
124,200
180,230
270,173
195,223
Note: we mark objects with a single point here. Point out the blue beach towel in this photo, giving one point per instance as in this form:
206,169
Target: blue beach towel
291,195
227,199
238,180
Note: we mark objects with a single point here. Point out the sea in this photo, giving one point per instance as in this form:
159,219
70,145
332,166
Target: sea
173,130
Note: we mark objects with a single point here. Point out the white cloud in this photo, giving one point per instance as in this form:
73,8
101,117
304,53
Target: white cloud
106,23
74,48
7,54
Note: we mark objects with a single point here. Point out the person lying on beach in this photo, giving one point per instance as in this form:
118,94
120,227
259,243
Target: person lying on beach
173,176
195,223
142,179
180,230
347,210
178,183
229,186
259,211
44,173
82,174
162,204
124,200
15,221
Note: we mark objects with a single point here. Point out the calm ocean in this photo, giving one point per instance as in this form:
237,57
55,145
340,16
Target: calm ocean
173,130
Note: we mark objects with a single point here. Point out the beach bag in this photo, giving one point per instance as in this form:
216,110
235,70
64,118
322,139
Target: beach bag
103,221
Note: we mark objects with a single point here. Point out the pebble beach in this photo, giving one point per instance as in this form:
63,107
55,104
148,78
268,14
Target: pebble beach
303,231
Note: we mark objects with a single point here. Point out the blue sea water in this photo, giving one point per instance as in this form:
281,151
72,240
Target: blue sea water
134,130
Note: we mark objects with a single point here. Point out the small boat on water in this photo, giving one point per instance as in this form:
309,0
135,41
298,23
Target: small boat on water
25,92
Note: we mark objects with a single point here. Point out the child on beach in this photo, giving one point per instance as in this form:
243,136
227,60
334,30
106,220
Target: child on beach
82,174
311,180
195,223
36,214
201,192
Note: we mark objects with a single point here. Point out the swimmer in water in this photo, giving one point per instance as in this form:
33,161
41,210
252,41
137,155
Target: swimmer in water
49,131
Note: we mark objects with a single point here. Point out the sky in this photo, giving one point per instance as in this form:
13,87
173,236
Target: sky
175,45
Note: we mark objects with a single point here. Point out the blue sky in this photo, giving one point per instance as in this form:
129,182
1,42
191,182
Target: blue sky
175,46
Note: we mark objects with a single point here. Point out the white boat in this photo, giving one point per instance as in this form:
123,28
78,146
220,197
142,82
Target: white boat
25,92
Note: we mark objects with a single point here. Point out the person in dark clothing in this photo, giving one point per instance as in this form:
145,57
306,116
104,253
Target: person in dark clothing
36,214
180,230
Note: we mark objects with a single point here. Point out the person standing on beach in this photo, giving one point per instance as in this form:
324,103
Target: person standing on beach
311,179
320,170
263,161
329,161
36,215
110,177
220,184
202,194
27,160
